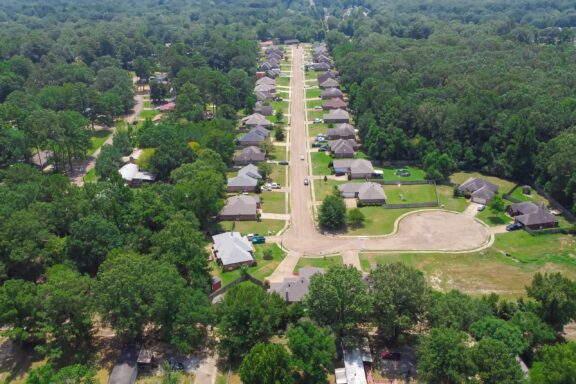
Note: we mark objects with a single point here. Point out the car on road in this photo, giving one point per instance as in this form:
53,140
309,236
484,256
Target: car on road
481,207
301,157
283,162
306,182
318,107
317,120
513,227
389,355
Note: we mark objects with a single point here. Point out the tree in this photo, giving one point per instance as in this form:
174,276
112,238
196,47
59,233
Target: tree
266,364
456,310
279,115
497,204
264,169
400,298
19,310
339,299
77,373
313,349
556,364
279,134
267,147
90,240
556,296
332,213
500,330
355,217
534,330
169,156
443,357
438,166
108,162
247,315
495,364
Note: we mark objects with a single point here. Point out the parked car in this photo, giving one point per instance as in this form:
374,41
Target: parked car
315,145
258,240
388,355
318,107
317,120
481,207
513,227
277,98
306,182
322,149
275,186
283,162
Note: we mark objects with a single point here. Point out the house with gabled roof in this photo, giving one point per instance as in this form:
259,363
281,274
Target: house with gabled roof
240,208
330,83
334,103
322,77
266,80
133,176
249,155
356,168
532,215
256,119
343,148
270,88
337,116
294,289
342,131
368,193
254,137
322,67
232,250
331,93
481,191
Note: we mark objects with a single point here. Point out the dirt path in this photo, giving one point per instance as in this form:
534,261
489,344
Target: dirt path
78,178
420,231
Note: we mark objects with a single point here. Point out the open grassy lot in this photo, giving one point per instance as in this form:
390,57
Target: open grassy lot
534,196
323,189
283,106
448,201
316,128
283,81
313,103
147,104
318,262
278,174
147,114
279,153
315,115
312,75
491,270
379,221
410,194
283,93
143,161
97,140
493,218
262,227
505,185
415,174
320,161
260,271
313,93
273,202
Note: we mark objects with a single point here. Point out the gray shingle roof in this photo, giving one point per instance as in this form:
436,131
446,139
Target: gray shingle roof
232,248
240,205
331,93
250,170
330,83
475,183
337,114
294,289
371,191
242,181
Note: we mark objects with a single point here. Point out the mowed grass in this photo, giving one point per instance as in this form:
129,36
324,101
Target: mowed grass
283,106
322,188
410,194
379,221
147,114
313,93
320,162
283,81
448,201
318,262
97,140
312,75
91,176
415,174
279,153
310,104
505,185
505,268
315,128
493,218
534,196
273,202
260,271
278,174
315,115
262,227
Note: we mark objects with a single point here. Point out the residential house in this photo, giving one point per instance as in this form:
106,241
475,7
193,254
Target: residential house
532,215
132,174
254,137
325,76
126,369
267,43
343,148
335,103
274,72
240,208
232,250
167,107
256,119
481,191
367,193
291,41
322,58
331,93
263,109
250,170
342,131
270,88
322,67
337,116
160,78
249,155
242,183
294,289
356,168
353,371
263,96
330,83
266,80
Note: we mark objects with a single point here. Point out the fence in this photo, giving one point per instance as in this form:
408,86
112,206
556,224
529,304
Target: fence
550,231
406,182
553,203
239,280
396,163
415,205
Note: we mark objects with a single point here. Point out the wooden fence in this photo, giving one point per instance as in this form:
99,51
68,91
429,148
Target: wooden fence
239,280
415,205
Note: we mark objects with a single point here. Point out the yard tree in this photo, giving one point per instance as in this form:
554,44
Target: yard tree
332,213
90,240
169,156
455,310
555,364
158,91
266,364
339,299
494,363
438,166
267,147
264,169
556,297
19,310
279,134
400,298
247,315
221,142
143,68
497,204
534,330
500,330
46,374
279,115
189,103
313,349
355,217
443,357
108,161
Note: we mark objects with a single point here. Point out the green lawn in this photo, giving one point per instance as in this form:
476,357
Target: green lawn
315,128
278,174
313,103
91,176
283,81
260,271
97,140
493,218
323,189
534,196
262,227
315,115
273,202
279,153
312,75
320,161
491,270
318,262
147,114
313,93
446,198
410,194
147,104
505,185
279,105
143,161
379,221
282,93
415,173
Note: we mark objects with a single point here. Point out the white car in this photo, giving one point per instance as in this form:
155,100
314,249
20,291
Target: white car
301,157
481,207
318,107
317,120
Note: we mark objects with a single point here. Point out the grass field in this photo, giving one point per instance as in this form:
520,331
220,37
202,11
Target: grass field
313,93
260,271
315,115
491,270
505,185
312,75
147,104
410,194
318,262
446,198
283,81
278,174
379,221
273,202
279,153
97,140
147,114
261,227
313,103
534,196
282,93
316,128
91,176
415,174
323,189
320,161
279,105
144,161
493,218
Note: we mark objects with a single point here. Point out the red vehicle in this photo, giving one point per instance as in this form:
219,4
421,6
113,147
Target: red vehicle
388,355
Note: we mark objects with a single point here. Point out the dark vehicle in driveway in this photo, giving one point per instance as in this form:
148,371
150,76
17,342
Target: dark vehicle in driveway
283,162
258,239
513,227
389,355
